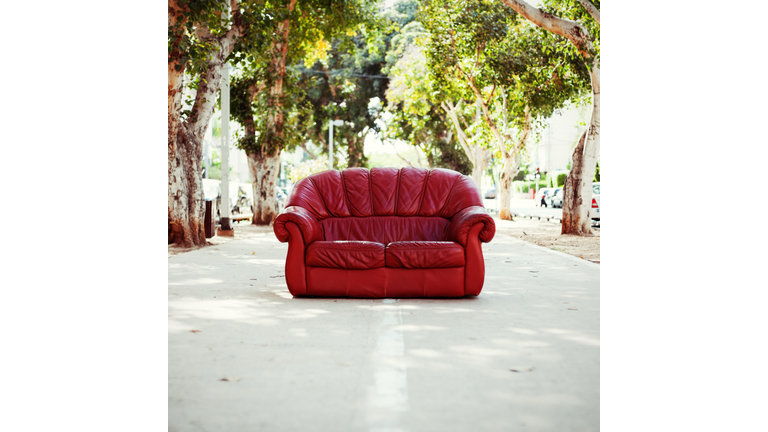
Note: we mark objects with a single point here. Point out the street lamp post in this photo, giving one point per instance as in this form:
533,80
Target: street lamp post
330,140
224,210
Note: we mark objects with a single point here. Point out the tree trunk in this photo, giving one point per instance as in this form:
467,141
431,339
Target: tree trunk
264,164
508,172
577,200
264,170
273,133
478,167
355,155
572,194
473,151
511,160
186,206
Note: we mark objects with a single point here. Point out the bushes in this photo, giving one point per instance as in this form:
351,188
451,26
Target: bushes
306,168
561,180
525,186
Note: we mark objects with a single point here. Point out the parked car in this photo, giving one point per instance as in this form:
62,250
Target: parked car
491,193
244,193
555,198
282,197
543,193
212,192
594,212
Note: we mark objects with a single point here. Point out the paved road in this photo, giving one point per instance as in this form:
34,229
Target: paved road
524,355
526,207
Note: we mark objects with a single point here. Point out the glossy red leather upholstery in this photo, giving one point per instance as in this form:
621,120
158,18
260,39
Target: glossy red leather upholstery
424,254
385,232
358,255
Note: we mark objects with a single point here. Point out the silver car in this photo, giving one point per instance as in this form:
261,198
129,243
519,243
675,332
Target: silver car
555,198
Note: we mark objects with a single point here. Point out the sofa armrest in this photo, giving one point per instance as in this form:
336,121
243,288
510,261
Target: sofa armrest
309,226
463,221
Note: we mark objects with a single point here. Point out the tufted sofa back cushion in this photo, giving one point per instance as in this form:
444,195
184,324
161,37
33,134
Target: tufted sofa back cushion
385,229
362,193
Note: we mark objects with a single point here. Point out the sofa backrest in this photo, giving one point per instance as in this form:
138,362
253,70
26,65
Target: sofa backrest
385,229
407,191
371,202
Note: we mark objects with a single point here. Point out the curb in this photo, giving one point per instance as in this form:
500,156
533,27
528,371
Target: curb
539,217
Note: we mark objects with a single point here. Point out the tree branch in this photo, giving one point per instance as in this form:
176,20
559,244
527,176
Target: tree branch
255,89
591,9
490,98
571,30
398,155
304,147
451,111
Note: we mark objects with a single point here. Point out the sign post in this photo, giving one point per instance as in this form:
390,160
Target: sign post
330,140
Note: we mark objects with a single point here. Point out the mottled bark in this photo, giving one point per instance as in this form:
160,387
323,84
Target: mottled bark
572,222
504,192
583,166
186,205
264,170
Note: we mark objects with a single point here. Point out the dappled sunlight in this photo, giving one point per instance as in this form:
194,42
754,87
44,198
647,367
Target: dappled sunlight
191,268
497,292
384,307
522,331
424,353
413,328
273,262
444,310
575,336
176,326
199,281
298,332
478,351
243,310
219,309
554,399
301,313
282,293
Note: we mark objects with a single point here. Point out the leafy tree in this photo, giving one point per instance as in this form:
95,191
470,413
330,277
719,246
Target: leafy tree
348,85
575,26
201,35
267,98
496,56
416,117
425,113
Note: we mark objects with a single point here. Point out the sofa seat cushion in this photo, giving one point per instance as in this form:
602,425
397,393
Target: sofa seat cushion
345,254
424,254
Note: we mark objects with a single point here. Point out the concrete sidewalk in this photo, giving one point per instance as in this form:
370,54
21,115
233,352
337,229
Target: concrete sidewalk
524,355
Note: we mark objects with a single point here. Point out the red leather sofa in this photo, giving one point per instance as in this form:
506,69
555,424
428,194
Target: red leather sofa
385,232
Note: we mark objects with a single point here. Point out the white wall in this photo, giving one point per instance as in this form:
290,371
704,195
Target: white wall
555,146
